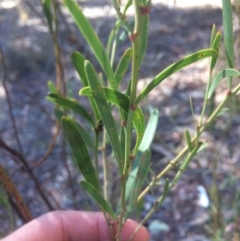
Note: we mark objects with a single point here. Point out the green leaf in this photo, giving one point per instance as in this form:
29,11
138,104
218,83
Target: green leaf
150,129
144,20
213,35
59,114
123,65
142,159
202,147
215,46
188,139
223,111
121,100
228,35
80,151
72,105
94,193
223,74
52,87
85,135
48,13
78,62
128,4
174,68
228,31
165,192
105,112
136,178
92,39
166,188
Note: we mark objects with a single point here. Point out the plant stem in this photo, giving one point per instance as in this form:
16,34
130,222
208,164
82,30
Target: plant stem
136,40
205,98
105,168
185,149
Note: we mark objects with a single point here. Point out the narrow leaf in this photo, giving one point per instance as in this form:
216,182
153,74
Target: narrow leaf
174,68
188,139
223,111
228,35
72,105
123,65
213,35
94,193
105,112
78,62
52,87
136,179
223,74
121,100
80,151
92,39
228,31
150,130
165,192
144,20
215,46
202,147
48,13
85,135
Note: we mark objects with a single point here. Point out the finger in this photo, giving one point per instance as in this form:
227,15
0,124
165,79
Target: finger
73,226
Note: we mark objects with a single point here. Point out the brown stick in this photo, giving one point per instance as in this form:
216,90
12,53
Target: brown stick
29,171
16,197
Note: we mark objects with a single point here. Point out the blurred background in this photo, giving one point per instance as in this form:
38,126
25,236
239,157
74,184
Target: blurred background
35,154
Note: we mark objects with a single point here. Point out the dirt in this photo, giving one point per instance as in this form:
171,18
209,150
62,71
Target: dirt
176,30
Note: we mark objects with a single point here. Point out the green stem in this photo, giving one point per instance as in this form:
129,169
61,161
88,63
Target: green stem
105,168
96,155
185,149
136,43
162,197
205,99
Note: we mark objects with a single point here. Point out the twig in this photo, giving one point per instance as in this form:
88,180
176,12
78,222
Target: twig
49,149
29,170
35,11
9,102
16,197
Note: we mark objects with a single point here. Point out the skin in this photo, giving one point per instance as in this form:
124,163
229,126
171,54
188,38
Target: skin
73,226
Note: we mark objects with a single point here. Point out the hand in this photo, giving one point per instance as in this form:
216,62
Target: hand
73,226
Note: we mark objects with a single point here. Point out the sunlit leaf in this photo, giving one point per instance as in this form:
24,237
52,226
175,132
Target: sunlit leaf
174,68
213,35
136,178
78,62
223,74
52,87
150,129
